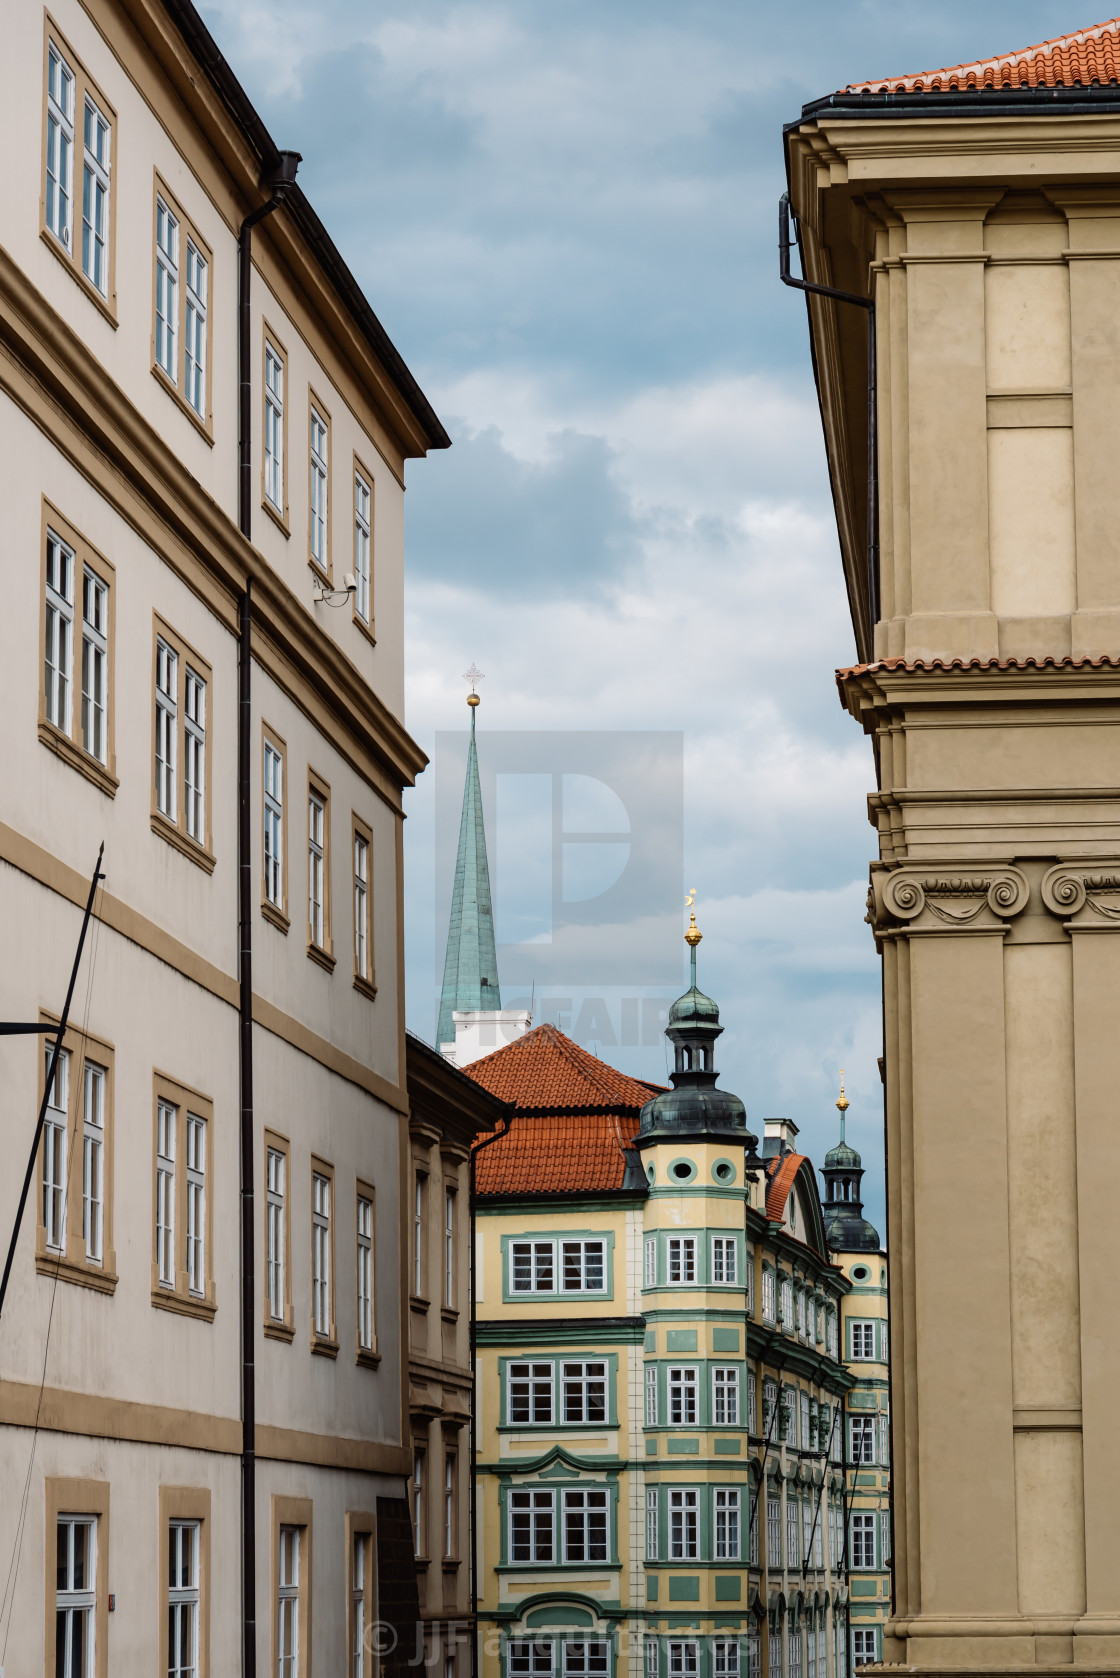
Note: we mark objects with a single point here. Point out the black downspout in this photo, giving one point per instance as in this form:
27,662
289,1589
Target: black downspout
867,303
475,1151
278,179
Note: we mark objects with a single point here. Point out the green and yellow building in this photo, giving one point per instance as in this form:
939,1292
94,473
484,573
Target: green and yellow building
661,1381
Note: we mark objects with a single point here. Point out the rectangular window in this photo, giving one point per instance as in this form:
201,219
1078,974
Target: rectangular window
725,1658
787,1420
363,547
529,1660
725,1397
884,1440
769,1295
529,1393
76,1596
274,884
649,1274
653,1662
167,291
319,489
864,1648
787,1304
754,1653
801,1312
81,232
684,1658
318,868
180,797
585,1392
775,1662
725,1260
75,709
531,1518
682,1396
533,1267
167,1117
863,1341
583,1266
727,1523
275,428
322,1282
793,1532
586,1660
863,1542
418,1197
363,930
684,1543
753,1537
360,1577
773,1533
806,1439
652,1531
183,1598
56,1152
585,1526
769,1408
450,1525
194,335
449,1248
182,1259
794,1654
806,1532
752,1403
276,1236
93,1161
365,1273
196,1204
832,1346
288,1603
194,777
167,729
417,1490
682,1258
861,1434
651,1395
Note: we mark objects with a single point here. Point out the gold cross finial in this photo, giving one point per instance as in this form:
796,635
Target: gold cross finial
843,1102
472,676
693,935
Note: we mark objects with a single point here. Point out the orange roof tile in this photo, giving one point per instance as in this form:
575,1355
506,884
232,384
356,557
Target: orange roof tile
1048,661
575,1117
1086,56
780,1184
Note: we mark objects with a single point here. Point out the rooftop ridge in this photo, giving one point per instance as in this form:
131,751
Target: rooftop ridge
1081,58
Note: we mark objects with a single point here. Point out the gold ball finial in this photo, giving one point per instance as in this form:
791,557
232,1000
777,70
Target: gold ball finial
474,699
693,936
473,675
843,1102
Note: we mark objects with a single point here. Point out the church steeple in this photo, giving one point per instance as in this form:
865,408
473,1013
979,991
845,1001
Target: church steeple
846,1227
470,969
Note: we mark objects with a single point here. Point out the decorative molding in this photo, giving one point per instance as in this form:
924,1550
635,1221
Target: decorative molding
971,897
1085,896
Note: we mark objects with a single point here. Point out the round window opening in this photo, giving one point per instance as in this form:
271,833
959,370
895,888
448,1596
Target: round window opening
650,1172
683,1170
723,1171
861,1273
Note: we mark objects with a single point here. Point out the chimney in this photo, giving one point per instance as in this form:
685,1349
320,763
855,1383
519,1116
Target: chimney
783,1132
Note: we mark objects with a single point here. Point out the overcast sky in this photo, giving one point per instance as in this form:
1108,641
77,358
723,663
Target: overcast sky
564,214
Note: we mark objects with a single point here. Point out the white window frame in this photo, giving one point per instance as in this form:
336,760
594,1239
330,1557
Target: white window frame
586,1517
365,1273
532,1267
773,1532
684,1657
361,905
653,1531
861,1334
684,1395
167,1120
559,1267
417,1488
76,1605
532,1525
418,1235
684,1523
794,1557
61,93
194,345
794,1652
56,1152
861,1439
363,545
725,1395
316,867
537,1380
184,1540
530,1657
584,1389
321,1209
786,1297
863,1542
273,826
649,1262
95,665
449,1248
653,1657
276,1169
167,729
97,147
167,290
865,1645
319,452
58,676
274,428
727,1520
769,1295
196,1205
194,742
359,1556
682,1259
725,1657
651,1395
725,1261
288,1602
449,1535
93,1162
588,1657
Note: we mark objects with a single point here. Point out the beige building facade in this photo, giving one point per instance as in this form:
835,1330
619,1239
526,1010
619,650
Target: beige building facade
980,209
134,159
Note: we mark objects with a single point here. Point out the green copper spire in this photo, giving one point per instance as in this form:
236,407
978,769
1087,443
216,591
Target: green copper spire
470,969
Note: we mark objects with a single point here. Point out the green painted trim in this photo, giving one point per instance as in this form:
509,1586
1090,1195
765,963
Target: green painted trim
684,1447
500,1206
728,1447
609,1484
712,1190
506,1426
726,1182
507,1469
570,1297
682,1159
560,1331
715,1314
729,1587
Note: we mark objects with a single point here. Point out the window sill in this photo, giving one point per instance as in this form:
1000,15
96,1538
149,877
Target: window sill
364,628
101,1278
203,427
322,1347
179,840
321,573
275,916
65,748
422,1563
366,986
280,520
419,1304
451,1564
183,1305
322,957
279,1331
108,307
449,1314
366,1359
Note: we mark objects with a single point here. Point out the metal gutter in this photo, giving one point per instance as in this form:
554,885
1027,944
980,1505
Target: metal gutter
965,102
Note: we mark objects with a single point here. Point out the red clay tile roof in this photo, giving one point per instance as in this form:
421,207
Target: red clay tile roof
1086,56
575,1116
780,1184
1103,661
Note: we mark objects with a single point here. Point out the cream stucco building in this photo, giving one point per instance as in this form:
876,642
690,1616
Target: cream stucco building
978,209
146,635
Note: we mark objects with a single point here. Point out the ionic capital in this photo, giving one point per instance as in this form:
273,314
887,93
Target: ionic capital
923,899
1084,895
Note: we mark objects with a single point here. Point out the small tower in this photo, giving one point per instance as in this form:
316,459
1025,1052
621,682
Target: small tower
847,1228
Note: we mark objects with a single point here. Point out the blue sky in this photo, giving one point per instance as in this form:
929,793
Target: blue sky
564,214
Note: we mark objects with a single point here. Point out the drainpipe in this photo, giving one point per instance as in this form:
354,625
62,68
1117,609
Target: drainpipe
279,178
475,1151
867,303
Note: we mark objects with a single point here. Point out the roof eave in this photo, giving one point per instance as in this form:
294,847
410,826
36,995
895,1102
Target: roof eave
957,102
